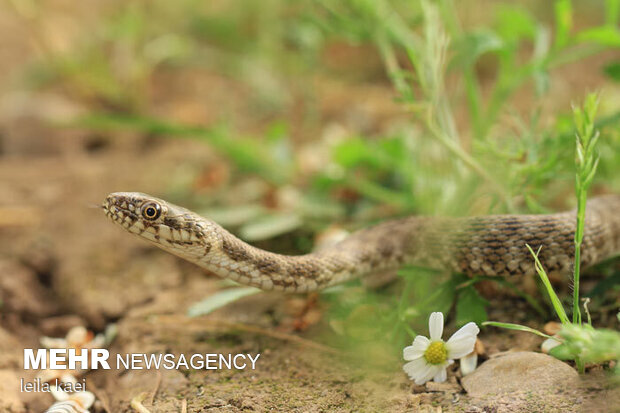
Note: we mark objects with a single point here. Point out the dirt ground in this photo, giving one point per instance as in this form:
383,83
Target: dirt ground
62,263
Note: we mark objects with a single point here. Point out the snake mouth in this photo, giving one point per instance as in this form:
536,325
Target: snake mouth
125,218
120,209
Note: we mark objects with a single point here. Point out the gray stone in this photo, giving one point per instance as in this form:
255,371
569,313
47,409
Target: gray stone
525,382
520,371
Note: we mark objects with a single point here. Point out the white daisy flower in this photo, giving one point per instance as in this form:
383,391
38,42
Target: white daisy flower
428,358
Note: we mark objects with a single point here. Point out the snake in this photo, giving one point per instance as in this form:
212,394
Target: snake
490,245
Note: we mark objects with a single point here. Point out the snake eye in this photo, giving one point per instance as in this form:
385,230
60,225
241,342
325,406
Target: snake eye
151,211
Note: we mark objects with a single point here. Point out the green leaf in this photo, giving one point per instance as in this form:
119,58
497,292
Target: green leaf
604,35
557,304
612,9
473,45
562,352
563,22
219,300
515,23
470,306
428,294
612,70
444,298
350,152
605,285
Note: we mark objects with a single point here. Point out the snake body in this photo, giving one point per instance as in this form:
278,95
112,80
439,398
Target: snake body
493,245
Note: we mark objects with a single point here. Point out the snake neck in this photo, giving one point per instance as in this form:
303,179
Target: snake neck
356,256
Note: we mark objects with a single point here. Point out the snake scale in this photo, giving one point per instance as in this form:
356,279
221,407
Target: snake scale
493,245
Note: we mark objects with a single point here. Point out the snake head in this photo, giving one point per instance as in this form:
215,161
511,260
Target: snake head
156,220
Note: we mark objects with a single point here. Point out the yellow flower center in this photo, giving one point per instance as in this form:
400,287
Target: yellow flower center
436,353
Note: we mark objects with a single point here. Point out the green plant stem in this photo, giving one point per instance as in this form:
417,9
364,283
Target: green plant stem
581,366
581,212
391,64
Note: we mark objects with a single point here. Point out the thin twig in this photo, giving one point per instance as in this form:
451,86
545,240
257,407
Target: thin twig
156,389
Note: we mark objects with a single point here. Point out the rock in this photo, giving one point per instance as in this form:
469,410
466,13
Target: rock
520,371
524,381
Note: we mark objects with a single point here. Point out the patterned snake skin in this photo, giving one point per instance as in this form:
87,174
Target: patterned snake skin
488,245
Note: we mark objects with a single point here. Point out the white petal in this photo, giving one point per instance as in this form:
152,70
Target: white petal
411,353
426,374
469,363
441,376
415,368
435,326
461,346
469,328
462,342
432,371
420,371
548,344
416,349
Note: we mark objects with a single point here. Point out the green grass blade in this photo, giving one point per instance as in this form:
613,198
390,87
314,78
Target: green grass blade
557,304
517,327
